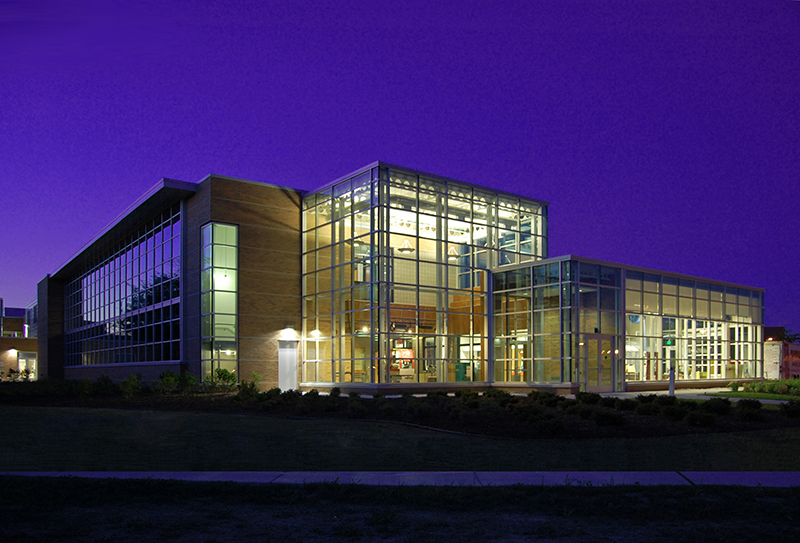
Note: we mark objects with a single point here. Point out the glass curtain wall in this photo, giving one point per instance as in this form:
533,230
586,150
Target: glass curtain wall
395,276
557,321
125,308
546,316
703,330
218,299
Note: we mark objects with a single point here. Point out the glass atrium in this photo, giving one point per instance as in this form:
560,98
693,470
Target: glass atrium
396,277
601,325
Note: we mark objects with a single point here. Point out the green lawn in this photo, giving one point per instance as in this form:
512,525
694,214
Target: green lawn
67,439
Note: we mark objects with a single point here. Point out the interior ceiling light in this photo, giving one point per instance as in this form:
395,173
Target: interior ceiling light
406,248
452,254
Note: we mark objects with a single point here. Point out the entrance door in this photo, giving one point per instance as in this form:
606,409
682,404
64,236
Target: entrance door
597,362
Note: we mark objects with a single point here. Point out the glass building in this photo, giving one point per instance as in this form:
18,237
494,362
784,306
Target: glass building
396,275
385,278
603,326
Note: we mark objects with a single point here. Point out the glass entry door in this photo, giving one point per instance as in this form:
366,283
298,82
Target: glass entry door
596,362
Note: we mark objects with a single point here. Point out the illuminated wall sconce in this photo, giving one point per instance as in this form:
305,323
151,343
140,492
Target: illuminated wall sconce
452,254
288,333
405,248
315,334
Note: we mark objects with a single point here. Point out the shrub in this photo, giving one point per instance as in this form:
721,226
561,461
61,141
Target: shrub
104,386
608,402
545,398
224,378
387,410
700,418
674,412
131,385
187,383
313,393
166,383
662,400
353,394
750,404
248,391
85,388
531,412
717,406
646,398
356,408
626,404
734,387
335,392
607,417
582,410
749,414
590,398
647,409
290,397
469,398
791,408
502,397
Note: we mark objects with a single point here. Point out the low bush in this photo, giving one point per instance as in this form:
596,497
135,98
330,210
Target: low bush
648,409
104,386
131,386
335,392
750,404
608,402
582,410
674,412
717,406
749,415
607,417
166,383
356,408
646,398
700,418
626,404
545,398
501,397
187,383
662,400
734,387
791,408
469,398
590,398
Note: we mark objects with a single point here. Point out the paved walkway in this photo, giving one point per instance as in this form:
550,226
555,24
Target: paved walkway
454,478
682,393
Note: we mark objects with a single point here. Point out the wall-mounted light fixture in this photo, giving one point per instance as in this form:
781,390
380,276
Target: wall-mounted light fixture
288,333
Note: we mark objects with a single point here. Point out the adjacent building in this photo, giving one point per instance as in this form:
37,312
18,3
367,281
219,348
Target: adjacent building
781,354
385,279
18,360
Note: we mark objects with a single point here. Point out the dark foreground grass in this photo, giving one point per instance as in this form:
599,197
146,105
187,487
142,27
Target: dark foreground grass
71,509
100,439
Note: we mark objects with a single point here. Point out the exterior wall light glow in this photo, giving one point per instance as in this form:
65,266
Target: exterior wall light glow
288,333
315,334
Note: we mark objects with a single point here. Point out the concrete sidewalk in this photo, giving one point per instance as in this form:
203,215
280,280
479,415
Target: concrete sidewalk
453,478
682,393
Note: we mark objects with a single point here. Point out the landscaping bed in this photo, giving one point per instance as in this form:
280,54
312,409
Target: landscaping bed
492,413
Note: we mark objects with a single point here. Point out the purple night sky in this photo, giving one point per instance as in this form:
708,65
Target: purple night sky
664,133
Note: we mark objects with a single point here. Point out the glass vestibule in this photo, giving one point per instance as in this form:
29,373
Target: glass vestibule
395,279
